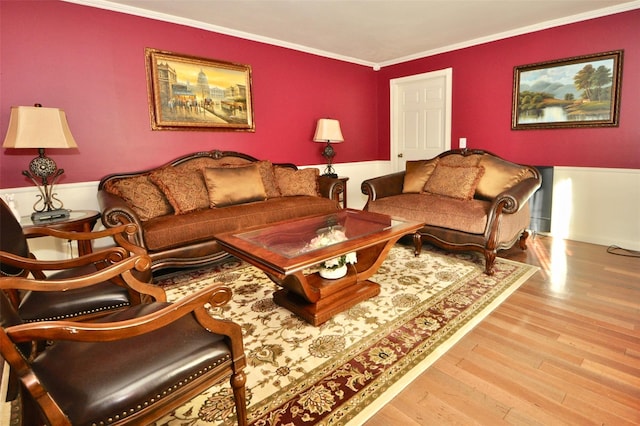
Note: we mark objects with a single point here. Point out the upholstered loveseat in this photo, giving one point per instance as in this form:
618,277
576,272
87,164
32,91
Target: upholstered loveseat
180,206
468,200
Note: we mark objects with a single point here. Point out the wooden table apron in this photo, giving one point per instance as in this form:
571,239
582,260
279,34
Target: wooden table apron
317,299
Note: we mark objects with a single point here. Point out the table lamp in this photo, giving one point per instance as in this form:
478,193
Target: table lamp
37,127
328,131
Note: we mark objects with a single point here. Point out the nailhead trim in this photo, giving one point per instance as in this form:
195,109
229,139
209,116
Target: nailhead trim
77,314
163,394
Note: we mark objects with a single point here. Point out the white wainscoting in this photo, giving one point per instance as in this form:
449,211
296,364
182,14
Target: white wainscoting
595,205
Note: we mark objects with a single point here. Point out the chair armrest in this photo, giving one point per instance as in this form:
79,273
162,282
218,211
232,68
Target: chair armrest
383,186
115,212
120,273
217,295
122,235
106,256
330,187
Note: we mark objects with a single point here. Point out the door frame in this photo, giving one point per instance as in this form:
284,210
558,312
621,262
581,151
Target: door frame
394,83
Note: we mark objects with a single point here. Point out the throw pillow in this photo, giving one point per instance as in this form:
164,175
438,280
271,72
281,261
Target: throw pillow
297,182
454,181
266,172
234,185
499,175
460,160
416,175
269,179
141,195
185,189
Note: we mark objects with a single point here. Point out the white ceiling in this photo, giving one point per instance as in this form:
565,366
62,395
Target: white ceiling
369,32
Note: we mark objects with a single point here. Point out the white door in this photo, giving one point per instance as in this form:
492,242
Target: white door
420,116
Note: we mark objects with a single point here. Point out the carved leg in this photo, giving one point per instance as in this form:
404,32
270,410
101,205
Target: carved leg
417,243
490,259
523,240
239,395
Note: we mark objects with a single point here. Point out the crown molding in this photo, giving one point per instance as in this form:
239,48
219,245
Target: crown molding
598,13
136,11
144,13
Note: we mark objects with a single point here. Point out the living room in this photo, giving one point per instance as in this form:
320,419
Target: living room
90,62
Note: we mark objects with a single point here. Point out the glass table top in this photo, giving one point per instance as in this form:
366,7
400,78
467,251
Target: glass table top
290,239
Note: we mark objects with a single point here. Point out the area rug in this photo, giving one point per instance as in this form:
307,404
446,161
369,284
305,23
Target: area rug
343,371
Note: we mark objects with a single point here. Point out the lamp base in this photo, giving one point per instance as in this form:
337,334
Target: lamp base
331,175
48,216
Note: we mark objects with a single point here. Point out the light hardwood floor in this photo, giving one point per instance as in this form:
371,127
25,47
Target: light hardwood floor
563,349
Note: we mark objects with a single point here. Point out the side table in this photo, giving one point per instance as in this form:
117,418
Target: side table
343,195
78,221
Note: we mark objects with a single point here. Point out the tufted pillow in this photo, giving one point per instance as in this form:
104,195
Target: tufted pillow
297,182
454,181
185,189
234,185
499,175
142,195
416,175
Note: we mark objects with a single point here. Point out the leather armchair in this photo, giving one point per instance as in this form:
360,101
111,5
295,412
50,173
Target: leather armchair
130,367
81,303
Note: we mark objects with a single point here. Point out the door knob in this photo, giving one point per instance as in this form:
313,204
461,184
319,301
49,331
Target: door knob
400,155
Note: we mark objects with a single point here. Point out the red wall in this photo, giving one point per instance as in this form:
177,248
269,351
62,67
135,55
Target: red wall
90,62
483,85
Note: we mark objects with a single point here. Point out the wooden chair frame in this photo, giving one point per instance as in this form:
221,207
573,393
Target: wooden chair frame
216,295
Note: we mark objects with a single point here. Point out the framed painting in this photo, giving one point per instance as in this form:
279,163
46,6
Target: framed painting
193,93
583,91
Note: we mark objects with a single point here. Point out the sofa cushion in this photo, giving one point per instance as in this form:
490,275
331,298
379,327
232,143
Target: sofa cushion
446,212
185,189
297,182
172,231
454,181
234,185
142,195
499,175
417,174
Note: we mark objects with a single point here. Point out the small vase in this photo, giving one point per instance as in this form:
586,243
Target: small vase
332,274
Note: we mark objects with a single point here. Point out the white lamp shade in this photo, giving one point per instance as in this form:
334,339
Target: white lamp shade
37,127
328,130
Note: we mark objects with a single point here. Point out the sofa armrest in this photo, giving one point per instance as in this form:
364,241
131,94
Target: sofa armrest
330,187
115,212
383,186
514,198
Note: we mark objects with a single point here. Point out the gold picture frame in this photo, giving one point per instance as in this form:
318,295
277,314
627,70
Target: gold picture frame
583,91
194,93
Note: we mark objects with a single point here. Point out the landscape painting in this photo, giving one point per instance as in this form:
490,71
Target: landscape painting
582,91
192,93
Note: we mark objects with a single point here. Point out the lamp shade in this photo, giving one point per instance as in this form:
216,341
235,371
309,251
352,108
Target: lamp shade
37,127
328,130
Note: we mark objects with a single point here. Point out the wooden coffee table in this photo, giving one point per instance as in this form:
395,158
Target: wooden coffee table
281,251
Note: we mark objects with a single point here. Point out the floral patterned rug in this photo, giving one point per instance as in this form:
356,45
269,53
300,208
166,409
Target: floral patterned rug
346,369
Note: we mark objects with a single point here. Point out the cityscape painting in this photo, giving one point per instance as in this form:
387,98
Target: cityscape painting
192,93
583,91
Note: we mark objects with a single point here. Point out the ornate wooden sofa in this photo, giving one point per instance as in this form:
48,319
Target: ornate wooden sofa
468,200
180,206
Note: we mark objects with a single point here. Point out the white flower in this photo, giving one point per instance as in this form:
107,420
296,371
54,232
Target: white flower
327,238
340,261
